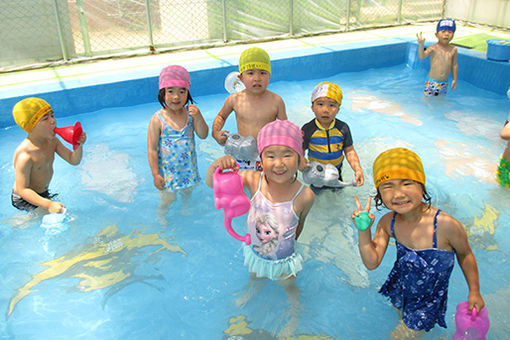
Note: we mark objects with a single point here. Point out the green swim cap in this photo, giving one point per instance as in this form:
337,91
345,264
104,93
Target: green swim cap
254,57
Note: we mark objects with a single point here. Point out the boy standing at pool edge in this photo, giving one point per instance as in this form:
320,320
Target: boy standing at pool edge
254,106
33,158
443,58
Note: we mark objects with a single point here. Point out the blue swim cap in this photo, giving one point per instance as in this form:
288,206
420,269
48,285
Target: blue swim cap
446,25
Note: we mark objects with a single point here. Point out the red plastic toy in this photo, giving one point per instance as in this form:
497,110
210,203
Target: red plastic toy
70,134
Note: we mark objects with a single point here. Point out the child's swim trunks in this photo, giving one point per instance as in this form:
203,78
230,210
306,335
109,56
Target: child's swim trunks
503,173
253,164
20,203
435,87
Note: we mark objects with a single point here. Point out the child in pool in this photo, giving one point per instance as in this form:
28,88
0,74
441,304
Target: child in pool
170,137
443,59
503,172
33,158
276,192
328,139
427,241
255,106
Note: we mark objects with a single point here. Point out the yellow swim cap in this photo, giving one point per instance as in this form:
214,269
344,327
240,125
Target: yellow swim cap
398,163
254,57
29,111
327,89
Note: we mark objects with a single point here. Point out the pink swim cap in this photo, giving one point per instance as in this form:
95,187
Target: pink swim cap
174,75
280,132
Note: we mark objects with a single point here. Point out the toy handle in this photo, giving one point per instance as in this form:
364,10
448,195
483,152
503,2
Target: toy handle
219,171
228,226
473,313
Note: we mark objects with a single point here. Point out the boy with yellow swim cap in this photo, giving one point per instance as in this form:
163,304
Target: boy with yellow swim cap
427,241
255,106
328,139
33,158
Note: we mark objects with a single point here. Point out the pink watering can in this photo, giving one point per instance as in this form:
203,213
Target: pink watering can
471,325
70,134
229,195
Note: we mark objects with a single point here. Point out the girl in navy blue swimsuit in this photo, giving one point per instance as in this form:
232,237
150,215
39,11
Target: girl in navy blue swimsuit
427,241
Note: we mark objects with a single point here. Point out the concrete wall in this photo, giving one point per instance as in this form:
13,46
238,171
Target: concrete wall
489,12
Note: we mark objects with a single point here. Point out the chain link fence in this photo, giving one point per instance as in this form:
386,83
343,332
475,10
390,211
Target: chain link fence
35,31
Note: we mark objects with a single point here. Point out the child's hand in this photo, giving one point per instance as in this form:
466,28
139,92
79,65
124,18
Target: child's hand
55,207
421,39
226,162
82,139
362,219
360,180
454,84
475,299
220,136
193,110
158,182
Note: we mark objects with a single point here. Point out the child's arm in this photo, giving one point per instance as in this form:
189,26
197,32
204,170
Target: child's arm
422,52
457,237
23,169
455,68
225,162
72,157
505,132
353,159
372,251
304,203
282,113
199,124
153,133
218,134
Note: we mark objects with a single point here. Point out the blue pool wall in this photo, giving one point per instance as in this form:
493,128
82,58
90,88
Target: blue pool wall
88,94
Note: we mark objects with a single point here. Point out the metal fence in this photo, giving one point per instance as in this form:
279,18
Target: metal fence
35,31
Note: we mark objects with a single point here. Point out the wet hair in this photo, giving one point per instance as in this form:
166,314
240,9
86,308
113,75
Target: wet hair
161,98
379,202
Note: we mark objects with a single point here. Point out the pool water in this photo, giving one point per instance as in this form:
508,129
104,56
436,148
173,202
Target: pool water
113,270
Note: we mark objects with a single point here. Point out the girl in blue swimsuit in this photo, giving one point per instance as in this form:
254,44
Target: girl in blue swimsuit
427,241
171,146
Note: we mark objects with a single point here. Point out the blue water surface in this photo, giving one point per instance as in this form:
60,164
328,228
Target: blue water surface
118,271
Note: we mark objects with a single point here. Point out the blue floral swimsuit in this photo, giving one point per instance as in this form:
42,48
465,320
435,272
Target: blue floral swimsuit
418,283
177,156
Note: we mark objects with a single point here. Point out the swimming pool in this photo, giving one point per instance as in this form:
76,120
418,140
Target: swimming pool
116,272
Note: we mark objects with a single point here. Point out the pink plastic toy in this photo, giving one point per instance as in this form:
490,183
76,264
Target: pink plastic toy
70,134
229,195
471,325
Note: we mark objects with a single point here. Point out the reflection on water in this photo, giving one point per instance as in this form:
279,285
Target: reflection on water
100,263
109,172
239,329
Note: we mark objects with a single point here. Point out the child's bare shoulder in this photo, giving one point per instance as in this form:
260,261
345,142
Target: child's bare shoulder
251,179
29,152
307,194
385,222
273,96
233,99
22,154
448,223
